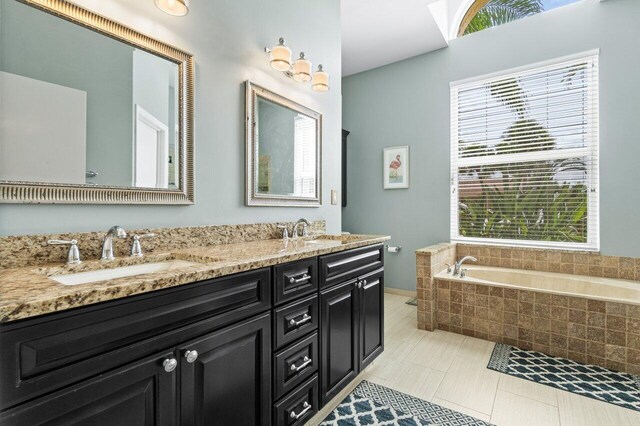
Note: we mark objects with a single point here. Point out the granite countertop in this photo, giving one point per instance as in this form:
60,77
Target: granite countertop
27,292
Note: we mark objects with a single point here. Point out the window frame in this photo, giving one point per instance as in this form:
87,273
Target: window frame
591,151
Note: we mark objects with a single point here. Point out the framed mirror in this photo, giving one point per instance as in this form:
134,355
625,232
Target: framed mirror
91,111
283,151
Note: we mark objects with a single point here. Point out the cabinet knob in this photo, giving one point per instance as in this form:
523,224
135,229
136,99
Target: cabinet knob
191,356
170,364
359,284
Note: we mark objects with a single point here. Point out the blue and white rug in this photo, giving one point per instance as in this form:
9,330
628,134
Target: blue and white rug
372,404
588,380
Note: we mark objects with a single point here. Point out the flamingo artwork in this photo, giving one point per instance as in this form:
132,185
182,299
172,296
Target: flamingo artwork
394,166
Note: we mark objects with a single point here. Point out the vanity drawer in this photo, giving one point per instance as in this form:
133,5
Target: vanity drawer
340,267
295,320
43,354
299,406
295,364
295,279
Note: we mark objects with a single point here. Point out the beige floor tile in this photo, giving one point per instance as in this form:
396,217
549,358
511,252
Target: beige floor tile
468,382
576,410
528,389
515,410
414,379
461,409
436,350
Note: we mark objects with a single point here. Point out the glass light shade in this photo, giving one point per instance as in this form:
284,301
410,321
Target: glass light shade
173,7
302,69
320,80
281,57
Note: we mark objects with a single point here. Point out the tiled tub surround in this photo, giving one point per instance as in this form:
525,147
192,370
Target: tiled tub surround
585,329
430,261
29,250
28,291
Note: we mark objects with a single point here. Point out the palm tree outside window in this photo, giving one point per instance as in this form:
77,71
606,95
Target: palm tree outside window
483,14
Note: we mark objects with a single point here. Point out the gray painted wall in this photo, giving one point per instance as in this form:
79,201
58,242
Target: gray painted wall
407,103
227,39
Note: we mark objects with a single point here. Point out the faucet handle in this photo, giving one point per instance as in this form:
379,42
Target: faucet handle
285,231
136,248
305,231
73,256
448,268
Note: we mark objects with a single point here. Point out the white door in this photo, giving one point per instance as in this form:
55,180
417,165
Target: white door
151,151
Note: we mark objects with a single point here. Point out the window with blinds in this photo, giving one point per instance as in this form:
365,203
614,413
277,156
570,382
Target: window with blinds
524,157
304,164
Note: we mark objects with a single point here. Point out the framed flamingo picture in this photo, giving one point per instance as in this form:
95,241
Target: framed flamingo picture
396,167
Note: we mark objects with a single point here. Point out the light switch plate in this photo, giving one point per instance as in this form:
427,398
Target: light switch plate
334,197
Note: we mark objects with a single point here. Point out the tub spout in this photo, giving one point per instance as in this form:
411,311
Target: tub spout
458,265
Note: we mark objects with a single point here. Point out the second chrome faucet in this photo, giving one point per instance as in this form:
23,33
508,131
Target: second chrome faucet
107,242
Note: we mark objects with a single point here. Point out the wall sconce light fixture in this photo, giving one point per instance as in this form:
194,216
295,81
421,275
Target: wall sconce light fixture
300,70
173,7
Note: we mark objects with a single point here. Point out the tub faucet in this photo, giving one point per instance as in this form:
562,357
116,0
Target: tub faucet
458,265
107,243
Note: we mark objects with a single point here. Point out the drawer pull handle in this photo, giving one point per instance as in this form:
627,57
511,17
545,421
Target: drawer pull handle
306,362
169,364
305,318
191,356
294,280
306,407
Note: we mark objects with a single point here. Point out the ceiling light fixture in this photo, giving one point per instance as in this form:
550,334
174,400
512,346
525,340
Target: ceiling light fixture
173,7
300,70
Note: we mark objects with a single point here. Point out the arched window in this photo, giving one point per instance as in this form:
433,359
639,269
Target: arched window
483,14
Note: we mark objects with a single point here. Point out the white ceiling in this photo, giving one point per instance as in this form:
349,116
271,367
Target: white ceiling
379,32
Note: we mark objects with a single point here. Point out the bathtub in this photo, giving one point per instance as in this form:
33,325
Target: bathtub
604,289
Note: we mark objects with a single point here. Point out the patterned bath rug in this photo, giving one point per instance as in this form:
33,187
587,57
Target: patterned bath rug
588,380
372,404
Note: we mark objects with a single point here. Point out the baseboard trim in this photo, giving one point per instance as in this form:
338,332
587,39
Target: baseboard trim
400,292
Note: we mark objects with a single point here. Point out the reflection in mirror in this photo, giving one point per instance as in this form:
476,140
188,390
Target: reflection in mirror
283,150
286,142
79,107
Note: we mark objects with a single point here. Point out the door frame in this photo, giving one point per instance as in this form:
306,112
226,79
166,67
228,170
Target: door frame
162,158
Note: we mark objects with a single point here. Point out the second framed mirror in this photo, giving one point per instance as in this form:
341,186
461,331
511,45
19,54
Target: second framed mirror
283,151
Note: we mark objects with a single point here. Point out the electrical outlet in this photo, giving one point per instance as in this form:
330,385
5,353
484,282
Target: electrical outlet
334,197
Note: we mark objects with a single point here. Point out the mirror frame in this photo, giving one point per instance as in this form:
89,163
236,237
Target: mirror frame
62,193
253,197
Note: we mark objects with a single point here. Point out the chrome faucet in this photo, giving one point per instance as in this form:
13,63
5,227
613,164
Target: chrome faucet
458,265
305,223
107,242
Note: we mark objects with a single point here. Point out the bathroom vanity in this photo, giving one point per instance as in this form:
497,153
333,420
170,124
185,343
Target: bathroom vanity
256,345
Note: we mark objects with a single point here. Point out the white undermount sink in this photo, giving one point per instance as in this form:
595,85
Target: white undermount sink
121,272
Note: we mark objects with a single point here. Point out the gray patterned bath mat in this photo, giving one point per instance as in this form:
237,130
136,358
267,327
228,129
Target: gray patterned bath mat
588,380
372,404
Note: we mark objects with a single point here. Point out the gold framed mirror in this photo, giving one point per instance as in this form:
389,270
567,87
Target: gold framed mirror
283,151
91,111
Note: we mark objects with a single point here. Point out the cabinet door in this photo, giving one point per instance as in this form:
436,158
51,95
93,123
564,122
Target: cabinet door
142,393
371,317
339,325
229,381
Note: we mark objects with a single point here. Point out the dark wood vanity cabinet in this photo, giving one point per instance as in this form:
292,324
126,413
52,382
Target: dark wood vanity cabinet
351,317
225,376
263,347
141,393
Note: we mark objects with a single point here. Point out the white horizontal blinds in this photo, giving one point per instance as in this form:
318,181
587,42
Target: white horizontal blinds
525,157
304,156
